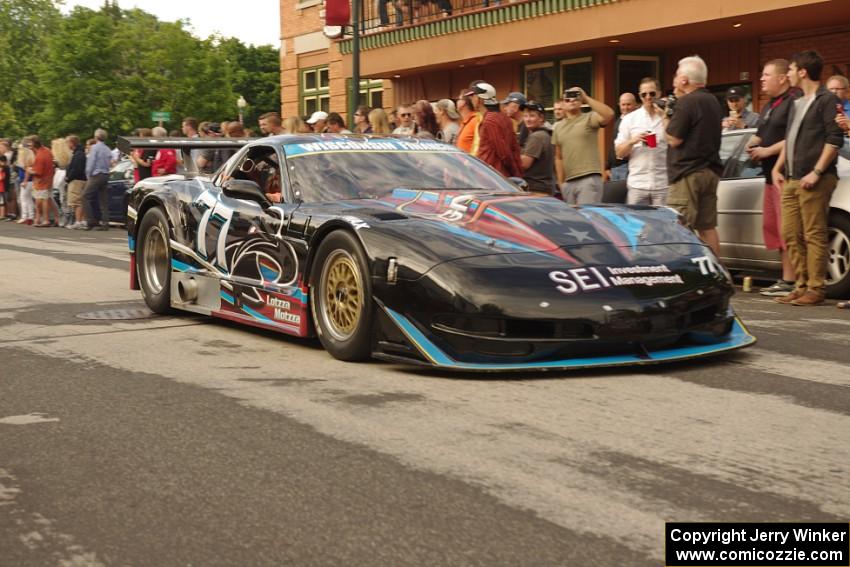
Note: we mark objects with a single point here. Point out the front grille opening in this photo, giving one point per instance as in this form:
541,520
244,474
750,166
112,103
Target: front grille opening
525,328
704,315
513,328
484,326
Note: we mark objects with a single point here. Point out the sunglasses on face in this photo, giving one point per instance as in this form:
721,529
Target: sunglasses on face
650,94
404,114
733,99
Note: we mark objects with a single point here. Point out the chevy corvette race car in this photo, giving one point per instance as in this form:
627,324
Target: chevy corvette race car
411,250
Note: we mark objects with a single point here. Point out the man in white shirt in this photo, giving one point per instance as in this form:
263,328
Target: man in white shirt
406,127
641,139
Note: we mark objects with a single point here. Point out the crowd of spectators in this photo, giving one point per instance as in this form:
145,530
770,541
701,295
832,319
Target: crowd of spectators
665,148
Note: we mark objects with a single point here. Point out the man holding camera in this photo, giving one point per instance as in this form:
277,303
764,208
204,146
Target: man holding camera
693,129
577,164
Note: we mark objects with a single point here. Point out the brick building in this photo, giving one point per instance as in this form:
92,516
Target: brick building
540,46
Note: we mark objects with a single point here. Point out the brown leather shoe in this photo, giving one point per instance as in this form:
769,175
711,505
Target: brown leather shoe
811,297
796,294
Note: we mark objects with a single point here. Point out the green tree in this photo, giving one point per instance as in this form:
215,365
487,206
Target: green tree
111,68
256,76
24,27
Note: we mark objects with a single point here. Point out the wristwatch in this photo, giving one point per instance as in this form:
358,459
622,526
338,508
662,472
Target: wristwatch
818,172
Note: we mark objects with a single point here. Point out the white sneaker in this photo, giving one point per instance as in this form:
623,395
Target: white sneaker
778,289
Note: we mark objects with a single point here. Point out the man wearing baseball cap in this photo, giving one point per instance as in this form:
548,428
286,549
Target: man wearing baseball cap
739,117
512,107
497,143
537,154
317,121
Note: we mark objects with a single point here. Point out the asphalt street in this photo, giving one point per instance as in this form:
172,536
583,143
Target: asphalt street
187,441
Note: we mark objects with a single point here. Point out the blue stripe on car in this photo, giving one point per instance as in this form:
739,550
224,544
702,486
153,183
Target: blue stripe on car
737,338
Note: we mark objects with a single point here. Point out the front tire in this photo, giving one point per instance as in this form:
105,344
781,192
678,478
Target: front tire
838,246
341,297
154,261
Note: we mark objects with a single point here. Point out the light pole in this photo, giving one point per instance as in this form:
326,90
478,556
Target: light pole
354,99
241,103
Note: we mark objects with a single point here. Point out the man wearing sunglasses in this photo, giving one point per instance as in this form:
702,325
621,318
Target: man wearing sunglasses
407,127
640,138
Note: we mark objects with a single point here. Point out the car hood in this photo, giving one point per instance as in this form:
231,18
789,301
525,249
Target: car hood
439,226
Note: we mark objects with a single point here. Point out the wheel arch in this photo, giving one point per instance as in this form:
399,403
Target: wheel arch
151,201
319,236
839,211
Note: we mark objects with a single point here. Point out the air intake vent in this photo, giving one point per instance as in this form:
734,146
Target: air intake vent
383,215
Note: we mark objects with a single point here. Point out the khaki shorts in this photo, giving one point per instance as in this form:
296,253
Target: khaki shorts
40,194
695,197
75,193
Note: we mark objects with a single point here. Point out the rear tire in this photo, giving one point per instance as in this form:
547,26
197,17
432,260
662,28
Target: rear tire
838,246
341,297
153,261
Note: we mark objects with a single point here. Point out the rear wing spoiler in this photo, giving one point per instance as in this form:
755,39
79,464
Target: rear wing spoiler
127,144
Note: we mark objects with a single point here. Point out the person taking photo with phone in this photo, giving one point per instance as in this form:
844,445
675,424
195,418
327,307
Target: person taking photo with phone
577,164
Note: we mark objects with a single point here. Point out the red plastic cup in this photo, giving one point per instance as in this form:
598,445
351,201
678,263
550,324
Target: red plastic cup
650,140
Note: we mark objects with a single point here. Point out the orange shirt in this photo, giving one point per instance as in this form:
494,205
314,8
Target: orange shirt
466,135
43,170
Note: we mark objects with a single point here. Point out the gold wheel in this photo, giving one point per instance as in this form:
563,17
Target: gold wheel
342,295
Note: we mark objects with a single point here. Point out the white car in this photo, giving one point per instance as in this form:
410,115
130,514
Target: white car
739,205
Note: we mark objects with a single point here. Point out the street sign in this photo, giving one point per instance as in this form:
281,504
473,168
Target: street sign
160,116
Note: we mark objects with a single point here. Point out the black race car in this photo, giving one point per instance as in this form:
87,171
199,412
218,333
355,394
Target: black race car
411,250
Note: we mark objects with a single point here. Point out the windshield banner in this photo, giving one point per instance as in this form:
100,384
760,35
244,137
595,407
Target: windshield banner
375,145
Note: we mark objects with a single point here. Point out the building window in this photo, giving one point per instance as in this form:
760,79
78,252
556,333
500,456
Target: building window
371,93
540,82
577,72
545,82
632,68
315,90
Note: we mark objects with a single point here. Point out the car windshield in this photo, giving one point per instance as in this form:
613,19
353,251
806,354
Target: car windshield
337,175
729,143
119,172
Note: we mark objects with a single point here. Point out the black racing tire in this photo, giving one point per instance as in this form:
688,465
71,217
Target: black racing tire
341,297
838,246
153,261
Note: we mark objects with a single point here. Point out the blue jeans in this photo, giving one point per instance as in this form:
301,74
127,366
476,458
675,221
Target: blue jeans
620,172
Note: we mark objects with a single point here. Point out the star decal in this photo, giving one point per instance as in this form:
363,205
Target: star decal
579,235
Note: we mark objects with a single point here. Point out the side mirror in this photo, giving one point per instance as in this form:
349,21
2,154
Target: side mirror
245,189
519,182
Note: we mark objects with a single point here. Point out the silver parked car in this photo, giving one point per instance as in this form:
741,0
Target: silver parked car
740,200
739,205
